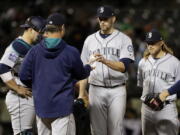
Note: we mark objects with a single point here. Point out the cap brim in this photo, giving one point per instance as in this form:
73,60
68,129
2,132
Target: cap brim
103,16
24,26
152,42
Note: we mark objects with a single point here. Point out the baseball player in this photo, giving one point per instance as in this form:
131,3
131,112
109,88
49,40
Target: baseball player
113,51
51,67
18,100
158,70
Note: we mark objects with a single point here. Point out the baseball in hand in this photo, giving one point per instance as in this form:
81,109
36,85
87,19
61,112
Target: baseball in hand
92,60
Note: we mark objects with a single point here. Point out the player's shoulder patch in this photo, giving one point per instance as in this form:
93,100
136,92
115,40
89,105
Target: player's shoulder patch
13,57
130,48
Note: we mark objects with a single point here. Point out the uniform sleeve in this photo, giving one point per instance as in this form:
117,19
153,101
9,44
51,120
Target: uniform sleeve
80,71
4,68
25,73
126,62
175,88
10,57
20,47
140,75
127,50
85,53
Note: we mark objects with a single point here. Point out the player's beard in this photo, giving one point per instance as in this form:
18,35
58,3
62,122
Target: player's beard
106,28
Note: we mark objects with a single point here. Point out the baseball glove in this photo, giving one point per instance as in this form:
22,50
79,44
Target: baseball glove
81,115
80,110
154,102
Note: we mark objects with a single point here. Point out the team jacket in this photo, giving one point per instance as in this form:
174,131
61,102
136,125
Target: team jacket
52,72
13,57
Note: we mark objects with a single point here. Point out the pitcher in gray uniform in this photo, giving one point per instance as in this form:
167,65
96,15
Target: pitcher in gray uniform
18,100
158,70
107,92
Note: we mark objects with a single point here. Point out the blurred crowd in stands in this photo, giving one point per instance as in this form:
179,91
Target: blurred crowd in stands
134,17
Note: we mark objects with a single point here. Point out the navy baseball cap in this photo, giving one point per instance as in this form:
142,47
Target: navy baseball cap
35,22
105,12
55,19
153,36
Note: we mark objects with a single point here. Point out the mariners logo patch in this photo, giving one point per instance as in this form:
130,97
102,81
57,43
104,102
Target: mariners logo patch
50,22
149,35
130,48
12,57
28,19
101,10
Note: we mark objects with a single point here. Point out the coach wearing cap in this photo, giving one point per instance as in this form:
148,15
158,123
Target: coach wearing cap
52,66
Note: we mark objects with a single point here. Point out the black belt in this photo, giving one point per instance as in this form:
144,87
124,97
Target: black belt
16,74
110,86
167,102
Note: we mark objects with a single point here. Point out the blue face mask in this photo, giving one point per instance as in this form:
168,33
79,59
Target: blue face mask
52,42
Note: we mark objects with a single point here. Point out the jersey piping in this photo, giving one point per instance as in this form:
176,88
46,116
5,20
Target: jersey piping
101,64
157,68
106,57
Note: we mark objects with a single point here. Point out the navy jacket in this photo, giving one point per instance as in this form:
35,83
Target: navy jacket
51,73
175,89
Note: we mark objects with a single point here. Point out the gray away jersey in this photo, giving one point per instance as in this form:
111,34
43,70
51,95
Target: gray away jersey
12,59
114,47
157,75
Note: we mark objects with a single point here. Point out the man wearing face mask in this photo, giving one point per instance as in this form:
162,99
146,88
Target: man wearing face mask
19,98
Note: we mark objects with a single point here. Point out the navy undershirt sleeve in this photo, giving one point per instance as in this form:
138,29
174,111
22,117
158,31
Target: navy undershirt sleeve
175,88
4,68
126,62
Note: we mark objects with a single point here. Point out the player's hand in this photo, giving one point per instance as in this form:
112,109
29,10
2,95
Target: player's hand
24,92
92,61
85,99
163,95
100,58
